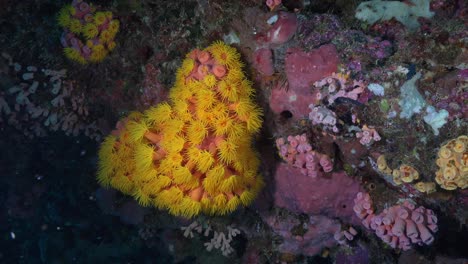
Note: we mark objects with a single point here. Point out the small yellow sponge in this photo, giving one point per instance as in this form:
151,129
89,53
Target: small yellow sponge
194,153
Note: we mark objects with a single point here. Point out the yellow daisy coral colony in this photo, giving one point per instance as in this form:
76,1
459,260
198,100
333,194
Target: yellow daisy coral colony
193,154
453,164
88,35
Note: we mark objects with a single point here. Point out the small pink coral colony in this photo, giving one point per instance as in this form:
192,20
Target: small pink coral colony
339,85
400,226
272,4
297,151
368,135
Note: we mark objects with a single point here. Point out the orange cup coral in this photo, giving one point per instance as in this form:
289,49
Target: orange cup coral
194,153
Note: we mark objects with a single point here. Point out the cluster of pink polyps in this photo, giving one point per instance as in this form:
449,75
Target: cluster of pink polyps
339,85
343,236
368,135
298,152
320,115
399,226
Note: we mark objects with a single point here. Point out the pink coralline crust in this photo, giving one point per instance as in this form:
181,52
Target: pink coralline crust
302,70
319,234
352,151
296,101
263,61
281,31
330,196
297,151
400,226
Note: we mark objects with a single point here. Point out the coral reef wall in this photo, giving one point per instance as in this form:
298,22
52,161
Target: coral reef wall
306,131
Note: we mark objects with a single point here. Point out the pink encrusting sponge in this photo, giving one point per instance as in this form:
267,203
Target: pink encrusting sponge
400,226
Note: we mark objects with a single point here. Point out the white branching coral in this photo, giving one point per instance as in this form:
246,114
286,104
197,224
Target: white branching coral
220,240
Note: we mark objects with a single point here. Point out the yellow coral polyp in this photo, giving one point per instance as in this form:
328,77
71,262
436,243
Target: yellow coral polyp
227,151
193,154
99,18
74,54
197,131
408,174
64,16
89,43
445,153
113,27
222,124
459,146
186,68
210,80
75,26
108,15
105,37
106,166
452,160
205,161
253,120
98,53
90,31
111,45
450,173
144,157
158,114
425,187
382,165
205,99
225,55
397,177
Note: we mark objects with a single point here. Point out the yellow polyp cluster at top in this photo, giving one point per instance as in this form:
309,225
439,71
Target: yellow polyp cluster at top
95,33
453,164
194,153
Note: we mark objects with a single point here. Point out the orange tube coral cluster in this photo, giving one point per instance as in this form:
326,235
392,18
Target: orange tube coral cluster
192,154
